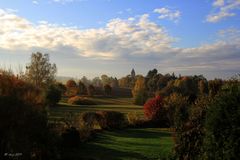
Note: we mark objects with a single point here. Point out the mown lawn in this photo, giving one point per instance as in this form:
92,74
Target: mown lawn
127,144
123,105
102,100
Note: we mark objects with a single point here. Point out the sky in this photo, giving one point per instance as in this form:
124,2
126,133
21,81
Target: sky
95,37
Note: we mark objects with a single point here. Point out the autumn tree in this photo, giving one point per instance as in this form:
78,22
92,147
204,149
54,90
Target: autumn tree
139,91
125,82
214,86
72,89
91,90
97,82
155,111
82,88
114,83
105,79
61,87
107,89
85,81
40,71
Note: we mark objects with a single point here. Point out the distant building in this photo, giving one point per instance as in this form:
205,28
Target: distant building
133,74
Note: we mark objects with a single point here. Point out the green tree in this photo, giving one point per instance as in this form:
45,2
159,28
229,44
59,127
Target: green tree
40,71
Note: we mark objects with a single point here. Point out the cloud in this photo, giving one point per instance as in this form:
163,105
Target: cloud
137,41
35,2
225,9
118,38
218,3
66,1
166,13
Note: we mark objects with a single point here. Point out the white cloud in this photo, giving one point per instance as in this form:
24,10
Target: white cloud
218,3
166,13
66,1
132,41
35,2
225,8
118,38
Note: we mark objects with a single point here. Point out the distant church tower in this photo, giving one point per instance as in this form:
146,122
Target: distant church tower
133,73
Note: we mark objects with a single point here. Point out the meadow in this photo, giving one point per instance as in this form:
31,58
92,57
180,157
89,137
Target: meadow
123,105
127,144
124,144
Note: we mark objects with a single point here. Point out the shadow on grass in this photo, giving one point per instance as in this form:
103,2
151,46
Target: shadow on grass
138,133
96,152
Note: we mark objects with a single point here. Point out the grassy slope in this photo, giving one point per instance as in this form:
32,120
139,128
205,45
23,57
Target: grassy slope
123,105
128,144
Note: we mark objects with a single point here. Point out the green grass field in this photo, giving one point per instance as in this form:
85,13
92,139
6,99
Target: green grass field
125,144
128,144
123,105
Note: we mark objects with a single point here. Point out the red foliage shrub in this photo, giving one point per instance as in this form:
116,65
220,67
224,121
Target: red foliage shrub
154,111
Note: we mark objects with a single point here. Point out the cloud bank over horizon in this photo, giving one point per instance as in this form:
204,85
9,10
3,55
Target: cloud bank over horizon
135,41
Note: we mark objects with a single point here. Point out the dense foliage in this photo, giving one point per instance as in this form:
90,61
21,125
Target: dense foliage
222,139
23,122
53,94
155,111
210,128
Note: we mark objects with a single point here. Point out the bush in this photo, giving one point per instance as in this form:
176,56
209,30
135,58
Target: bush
154,111
222,139
24,129
12,86
190,130
23,122
88,120
53,95
176,106
134,119
70,138
77,100
111,119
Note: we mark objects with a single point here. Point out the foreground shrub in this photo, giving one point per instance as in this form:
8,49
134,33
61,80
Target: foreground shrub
154,111
77,100
177,108
190,130
82,123
222,139
12,86
111,119
24,129
70,138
